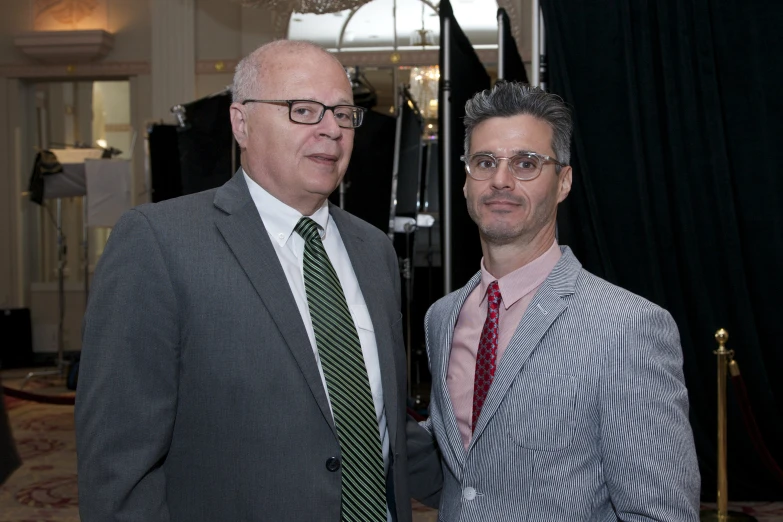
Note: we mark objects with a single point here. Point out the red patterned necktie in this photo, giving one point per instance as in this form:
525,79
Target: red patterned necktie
487,353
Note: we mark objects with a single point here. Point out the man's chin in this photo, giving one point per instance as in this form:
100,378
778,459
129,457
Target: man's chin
499,235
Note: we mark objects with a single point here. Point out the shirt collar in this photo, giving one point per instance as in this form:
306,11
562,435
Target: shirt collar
280,219
517,284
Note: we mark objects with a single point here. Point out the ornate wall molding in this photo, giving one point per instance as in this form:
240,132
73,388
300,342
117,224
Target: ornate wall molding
65,47
75,71
49,15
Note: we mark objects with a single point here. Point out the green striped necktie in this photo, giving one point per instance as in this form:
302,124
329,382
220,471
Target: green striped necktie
348,387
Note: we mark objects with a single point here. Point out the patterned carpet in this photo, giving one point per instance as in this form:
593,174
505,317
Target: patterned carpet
44,488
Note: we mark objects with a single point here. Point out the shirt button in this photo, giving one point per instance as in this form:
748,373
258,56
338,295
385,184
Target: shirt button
469,493
281,235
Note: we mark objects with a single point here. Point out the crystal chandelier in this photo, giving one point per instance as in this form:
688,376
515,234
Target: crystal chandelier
305,6
424,89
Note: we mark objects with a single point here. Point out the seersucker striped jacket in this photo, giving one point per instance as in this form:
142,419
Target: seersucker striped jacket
586,419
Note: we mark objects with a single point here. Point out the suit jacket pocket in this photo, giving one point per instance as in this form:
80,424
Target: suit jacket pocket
540,410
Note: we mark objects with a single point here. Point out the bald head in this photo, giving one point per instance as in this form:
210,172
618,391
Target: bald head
268,59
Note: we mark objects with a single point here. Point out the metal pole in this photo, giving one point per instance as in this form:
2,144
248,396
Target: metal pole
85,250
408,272
722,514
722,336
542,64
501,48
445,77
60,285
535,59
395,162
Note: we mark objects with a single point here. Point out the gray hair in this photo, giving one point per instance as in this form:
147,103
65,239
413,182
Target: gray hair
247,76
508,99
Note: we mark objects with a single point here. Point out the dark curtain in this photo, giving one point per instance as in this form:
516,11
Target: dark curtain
409,160
513,66
165,173
206,143
369,175
467,78
677,188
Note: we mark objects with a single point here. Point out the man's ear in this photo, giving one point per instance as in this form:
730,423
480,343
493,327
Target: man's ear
239,124
564,183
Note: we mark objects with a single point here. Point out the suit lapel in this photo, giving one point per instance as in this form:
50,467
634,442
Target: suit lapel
244,232
447,336
545,307
364,260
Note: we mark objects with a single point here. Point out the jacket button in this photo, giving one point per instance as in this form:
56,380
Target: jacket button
333,463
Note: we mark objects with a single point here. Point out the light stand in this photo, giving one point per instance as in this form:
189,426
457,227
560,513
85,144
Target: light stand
85,251
61,251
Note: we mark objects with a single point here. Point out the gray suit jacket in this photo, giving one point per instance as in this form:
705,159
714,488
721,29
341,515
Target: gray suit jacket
586,419
199,396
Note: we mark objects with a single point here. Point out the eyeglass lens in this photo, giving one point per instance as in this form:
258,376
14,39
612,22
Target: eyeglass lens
309,112
522,166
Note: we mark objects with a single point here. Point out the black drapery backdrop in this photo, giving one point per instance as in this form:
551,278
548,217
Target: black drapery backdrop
513,66
369,174
677,188
165,172
205,144
468,76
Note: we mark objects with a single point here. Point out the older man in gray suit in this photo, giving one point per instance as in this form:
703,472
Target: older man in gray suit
242,355
556,396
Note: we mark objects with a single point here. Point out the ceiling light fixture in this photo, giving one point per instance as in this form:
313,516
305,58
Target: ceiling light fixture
305,6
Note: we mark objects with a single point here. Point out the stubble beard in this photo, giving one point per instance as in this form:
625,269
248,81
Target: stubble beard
500,233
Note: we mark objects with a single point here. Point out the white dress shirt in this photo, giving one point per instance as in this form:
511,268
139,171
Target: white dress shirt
279,220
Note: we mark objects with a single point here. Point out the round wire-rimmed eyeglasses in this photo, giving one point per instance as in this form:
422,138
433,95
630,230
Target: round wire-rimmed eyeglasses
525,166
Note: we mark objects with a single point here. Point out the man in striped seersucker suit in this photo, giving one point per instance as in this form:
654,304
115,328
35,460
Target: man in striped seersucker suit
556,396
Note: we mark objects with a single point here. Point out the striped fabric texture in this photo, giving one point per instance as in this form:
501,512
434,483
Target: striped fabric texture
363,481
586,419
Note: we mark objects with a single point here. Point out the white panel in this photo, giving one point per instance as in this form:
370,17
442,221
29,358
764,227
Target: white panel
108,191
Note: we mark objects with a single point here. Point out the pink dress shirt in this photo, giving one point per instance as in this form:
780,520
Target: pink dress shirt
517,290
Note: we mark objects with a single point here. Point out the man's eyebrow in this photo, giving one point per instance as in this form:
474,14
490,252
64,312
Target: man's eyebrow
514,152
341,101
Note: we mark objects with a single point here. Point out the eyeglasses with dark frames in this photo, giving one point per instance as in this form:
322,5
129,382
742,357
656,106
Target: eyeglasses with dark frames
525,166
309,112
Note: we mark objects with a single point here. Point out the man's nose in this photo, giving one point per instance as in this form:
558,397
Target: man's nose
328,125
503,178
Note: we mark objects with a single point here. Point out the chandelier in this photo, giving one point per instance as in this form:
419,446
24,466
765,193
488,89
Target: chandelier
305,6
424,90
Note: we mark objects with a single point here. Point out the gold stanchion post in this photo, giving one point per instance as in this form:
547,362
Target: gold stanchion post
722,514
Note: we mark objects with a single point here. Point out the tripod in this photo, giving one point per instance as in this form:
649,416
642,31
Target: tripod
60,363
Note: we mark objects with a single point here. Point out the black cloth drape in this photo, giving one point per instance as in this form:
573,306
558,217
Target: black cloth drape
677,188
513,66
468,76
369,174
45,164
206,143
165,172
